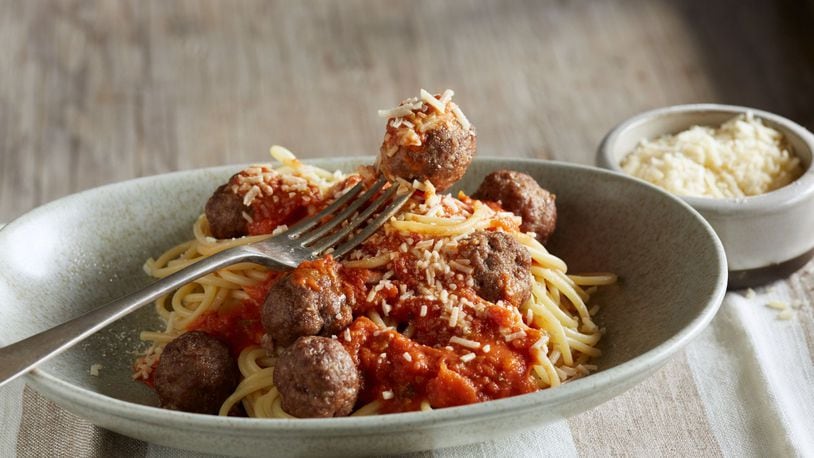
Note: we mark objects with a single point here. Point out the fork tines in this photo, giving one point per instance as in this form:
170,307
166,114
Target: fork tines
346,208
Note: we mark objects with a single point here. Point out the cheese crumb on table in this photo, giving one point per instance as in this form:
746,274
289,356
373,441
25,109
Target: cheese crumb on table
777,305
785,315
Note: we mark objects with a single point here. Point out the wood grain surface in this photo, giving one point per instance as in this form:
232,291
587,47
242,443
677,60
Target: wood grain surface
98,92
94,92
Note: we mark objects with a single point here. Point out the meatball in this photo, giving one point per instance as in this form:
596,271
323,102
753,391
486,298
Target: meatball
316,377
520,194
428,145
501,266
224,211
305,302
196,373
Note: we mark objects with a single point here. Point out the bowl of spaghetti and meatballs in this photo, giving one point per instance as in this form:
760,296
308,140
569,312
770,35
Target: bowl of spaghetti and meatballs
427,138
465,317
444,305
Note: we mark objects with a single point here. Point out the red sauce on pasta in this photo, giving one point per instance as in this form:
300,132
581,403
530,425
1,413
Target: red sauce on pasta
238,325
411,372
399,371
424,366
283,206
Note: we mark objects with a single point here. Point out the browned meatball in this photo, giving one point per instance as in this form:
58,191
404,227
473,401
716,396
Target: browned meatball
520,194
501,266
224,211
196,373
306,302
430,146
316,377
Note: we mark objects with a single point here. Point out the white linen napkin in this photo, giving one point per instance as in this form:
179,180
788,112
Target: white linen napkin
755,374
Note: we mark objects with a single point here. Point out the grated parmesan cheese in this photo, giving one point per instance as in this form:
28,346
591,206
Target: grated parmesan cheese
743,157
461,117
464,342
453,317
254,191
430,100
516,335
467,357
396,112
447,96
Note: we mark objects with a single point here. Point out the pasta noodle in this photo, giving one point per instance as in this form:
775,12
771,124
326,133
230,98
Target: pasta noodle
427,231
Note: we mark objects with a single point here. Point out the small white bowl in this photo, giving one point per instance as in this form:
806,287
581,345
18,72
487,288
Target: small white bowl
765,237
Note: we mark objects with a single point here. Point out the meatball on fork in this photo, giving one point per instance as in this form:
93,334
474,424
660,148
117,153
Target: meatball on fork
427,138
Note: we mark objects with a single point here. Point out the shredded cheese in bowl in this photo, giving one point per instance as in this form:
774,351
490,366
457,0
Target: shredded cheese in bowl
741,158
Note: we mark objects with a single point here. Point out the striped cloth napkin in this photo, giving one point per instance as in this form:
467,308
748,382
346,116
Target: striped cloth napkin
745,387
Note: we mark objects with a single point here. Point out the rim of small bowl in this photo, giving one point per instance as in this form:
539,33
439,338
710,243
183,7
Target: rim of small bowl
604,379
800,189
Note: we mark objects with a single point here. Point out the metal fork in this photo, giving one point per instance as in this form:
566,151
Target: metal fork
304,241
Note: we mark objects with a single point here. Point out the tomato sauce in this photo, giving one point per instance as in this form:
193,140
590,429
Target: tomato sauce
425,366
312,274
268,213
422,367
414,372
238,325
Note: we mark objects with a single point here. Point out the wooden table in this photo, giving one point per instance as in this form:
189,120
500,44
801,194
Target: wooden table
98,92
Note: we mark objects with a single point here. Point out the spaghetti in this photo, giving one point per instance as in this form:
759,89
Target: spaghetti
421,337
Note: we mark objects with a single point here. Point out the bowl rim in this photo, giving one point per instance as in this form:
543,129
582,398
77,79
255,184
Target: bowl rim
771,202
640,365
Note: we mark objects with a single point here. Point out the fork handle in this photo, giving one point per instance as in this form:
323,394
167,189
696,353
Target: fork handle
19,357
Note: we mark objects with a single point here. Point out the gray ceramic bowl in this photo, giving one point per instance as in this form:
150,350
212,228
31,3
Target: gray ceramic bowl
765,237
72,254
